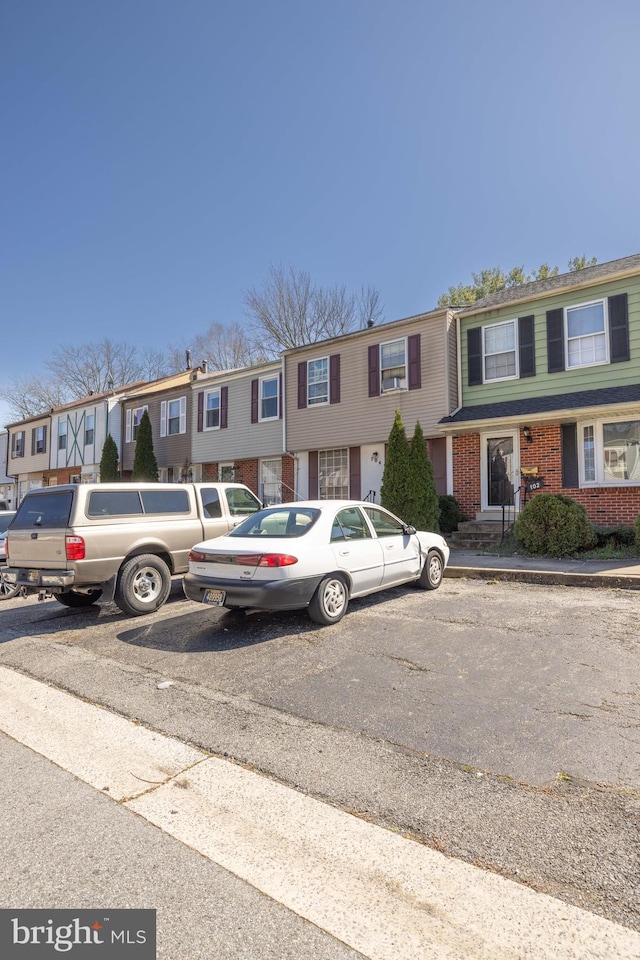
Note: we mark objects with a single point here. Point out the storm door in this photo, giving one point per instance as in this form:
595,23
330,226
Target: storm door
499,470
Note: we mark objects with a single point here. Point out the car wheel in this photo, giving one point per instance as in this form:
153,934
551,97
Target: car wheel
73,599
432,571
330,601
143,585
7,590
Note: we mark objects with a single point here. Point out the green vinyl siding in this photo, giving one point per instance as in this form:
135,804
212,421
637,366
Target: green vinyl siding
566,381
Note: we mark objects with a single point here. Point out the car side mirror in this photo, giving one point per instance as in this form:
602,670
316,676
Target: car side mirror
409,529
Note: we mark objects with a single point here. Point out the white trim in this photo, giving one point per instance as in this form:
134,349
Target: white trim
128,427
318,403
400,383
208,393
599,459
605,333
514,475
163,418
261,381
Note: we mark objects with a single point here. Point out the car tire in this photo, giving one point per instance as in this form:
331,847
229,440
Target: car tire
74,599
7,590
432,571
330,601
143,585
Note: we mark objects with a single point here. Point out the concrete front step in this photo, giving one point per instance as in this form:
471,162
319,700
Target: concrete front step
471,543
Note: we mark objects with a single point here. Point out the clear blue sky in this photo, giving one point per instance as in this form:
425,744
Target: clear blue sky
159,155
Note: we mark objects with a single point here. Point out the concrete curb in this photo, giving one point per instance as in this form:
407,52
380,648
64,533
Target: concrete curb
553,577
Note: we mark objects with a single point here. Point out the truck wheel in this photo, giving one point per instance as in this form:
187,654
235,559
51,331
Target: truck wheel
73,599
7,590
143,585
330,601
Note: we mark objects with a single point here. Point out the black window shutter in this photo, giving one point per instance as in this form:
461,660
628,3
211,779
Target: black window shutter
254,401
334,378
526,346
569,436
618,328
474,356
313,474
354,473
224,406
374,370
200,412
555,340
280,395
415,374
302,385
33,440
44,435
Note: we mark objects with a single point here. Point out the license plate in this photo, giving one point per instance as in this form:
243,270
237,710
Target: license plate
216,597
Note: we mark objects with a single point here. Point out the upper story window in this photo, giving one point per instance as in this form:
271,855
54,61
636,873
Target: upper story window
89,429
212,410
393,365
586,333
173,417
62,435
500,351
39,440
17,444
269,399
136,417
318,381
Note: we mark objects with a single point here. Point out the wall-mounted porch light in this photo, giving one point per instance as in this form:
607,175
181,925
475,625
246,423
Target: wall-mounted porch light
527,434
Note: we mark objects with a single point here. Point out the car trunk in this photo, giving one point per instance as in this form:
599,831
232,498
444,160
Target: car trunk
38,534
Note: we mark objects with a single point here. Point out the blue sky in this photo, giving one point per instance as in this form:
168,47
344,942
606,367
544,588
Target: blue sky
160,155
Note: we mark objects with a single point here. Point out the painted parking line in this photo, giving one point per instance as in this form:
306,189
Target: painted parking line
386,896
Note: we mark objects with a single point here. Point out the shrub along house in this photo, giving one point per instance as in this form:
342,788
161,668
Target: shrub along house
550,395
237,430
341,396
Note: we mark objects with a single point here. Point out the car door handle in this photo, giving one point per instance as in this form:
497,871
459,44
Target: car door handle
34,536
344,553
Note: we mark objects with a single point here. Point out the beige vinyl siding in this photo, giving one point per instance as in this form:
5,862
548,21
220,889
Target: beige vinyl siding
545,384
170,450
29,464
358,418
241,439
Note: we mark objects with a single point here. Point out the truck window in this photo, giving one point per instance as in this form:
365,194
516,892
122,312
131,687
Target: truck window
241,502
166,501
211,503
44,510
113,503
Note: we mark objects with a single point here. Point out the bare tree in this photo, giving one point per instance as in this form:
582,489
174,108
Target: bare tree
30,396
223,348
288,310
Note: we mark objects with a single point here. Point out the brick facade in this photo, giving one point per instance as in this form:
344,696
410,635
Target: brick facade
604,505
248,472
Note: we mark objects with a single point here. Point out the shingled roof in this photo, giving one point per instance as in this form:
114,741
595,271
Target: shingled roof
530,406
564,281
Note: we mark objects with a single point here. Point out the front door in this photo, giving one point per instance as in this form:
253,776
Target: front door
499,470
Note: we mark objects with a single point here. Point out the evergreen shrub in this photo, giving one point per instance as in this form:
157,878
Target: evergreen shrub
552,525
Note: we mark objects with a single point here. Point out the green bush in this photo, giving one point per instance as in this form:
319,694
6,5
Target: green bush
552,525
450,513
620,535
637,533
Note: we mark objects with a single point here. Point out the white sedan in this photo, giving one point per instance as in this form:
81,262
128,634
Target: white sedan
313,554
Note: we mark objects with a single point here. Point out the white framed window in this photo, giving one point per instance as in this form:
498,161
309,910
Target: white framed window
89,429
500,351
212,410
393,365
173,417
62,434
317,381
586,332
40,440
133,422
226,472
610,452
271,481
333,474
269,398
17,444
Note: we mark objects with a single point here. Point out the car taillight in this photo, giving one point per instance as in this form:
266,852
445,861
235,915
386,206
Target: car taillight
75,548
6,546
195,556
277,560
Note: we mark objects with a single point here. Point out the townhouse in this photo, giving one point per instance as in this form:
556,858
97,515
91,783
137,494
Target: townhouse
238,430
550,395
29,443
341,396
168,403
8,490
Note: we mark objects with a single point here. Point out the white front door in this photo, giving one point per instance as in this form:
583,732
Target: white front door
500,469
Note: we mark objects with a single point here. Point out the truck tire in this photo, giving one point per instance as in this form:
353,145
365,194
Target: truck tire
73,599
143,585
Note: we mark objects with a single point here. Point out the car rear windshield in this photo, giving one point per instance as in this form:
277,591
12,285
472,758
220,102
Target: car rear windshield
5,521
278,522
131,503
49,510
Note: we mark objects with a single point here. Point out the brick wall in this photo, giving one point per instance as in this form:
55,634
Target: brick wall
248,472
604,505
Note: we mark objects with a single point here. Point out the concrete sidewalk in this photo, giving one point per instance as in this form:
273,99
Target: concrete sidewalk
623,574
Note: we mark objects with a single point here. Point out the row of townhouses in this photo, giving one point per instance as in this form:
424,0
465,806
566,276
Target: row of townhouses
533,388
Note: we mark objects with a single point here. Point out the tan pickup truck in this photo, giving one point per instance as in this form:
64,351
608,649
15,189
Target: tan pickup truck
121,541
